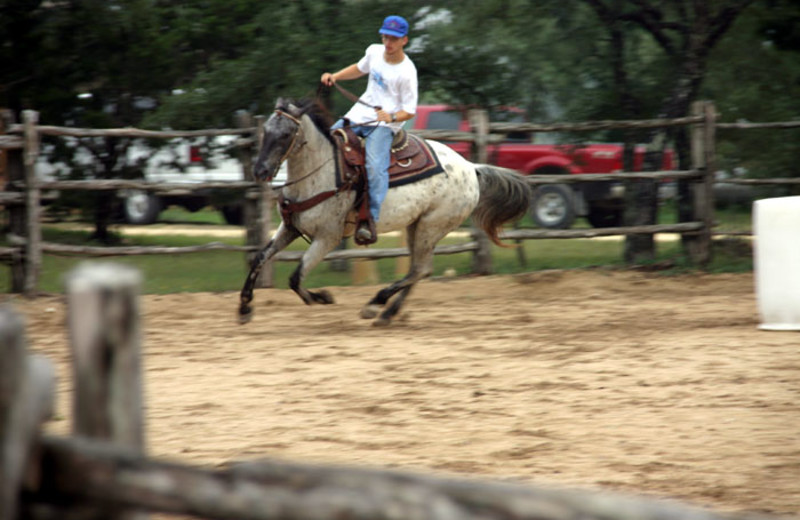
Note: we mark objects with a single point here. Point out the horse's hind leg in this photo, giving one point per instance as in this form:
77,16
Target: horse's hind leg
283,237
421,267
375,305
386,316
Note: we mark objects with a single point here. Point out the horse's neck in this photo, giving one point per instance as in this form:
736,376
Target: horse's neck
312,166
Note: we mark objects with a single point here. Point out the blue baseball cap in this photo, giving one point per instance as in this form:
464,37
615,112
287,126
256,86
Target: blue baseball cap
394,26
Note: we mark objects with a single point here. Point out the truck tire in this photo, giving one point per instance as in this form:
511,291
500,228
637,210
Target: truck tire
140,207
605,217
233,215
553,206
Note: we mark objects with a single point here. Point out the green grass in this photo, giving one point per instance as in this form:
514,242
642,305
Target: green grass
225,271
173,215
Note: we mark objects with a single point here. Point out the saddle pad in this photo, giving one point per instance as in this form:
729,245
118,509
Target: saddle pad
417,162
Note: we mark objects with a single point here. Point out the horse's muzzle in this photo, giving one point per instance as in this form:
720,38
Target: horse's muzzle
263,172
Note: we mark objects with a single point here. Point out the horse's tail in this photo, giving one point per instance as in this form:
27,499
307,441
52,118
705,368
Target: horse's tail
505,197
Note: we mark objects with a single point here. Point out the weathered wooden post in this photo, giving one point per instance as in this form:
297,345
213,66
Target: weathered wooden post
641,206
258,211
701,192
17,213
5,122
33,252
710,160
27,394
479,123
103,317
105,337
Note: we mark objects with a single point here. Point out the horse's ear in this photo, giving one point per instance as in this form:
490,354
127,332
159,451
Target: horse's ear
294,109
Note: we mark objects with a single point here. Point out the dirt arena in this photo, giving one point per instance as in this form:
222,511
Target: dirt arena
624,381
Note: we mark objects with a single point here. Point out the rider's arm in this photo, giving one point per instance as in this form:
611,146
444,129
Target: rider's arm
399,116
349,72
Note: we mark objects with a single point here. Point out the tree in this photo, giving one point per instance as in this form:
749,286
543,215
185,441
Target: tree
95,63
292,44
686,32
754,75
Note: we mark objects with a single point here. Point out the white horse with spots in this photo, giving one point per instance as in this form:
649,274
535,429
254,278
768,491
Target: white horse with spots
428,209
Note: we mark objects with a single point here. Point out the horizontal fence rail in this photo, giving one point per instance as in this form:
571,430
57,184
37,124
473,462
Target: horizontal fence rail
283,256
758,126
682,228
65,131
590,126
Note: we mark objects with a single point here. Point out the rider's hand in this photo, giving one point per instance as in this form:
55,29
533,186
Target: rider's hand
327,79
382,115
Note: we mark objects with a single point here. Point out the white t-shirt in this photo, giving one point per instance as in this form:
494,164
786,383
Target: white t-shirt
392,87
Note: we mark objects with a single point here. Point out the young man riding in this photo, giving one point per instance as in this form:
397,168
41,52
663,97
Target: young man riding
390,99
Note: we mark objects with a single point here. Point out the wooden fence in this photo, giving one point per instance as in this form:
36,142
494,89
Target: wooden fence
102,470
23,196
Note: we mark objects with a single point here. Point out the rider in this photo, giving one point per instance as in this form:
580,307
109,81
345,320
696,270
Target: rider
390,99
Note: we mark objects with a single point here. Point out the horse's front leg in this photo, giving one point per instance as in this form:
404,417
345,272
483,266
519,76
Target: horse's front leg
319,247
283,237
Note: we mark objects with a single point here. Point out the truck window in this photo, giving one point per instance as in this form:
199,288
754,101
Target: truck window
444,120
502,115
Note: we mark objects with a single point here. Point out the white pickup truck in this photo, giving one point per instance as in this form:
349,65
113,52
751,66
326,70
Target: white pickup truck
183,161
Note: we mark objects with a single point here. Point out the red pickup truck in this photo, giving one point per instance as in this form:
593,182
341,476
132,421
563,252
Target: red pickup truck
553,206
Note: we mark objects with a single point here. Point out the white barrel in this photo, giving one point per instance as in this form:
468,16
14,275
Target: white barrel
776,225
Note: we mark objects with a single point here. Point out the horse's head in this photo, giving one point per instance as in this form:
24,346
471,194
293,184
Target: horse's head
282,136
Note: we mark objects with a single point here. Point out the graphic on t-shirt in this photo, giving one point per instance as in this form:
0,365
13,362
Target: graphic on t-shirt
376,76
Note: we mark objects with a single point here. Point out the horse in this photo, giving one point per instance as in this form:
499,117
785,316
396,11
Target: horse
298,132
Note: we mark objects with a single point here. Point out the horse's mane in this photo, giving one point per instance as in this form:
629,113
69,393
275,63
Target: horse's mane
315,110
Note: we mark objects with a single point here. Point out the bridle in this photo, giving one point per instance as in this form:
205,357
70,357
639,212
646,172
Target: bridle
290,150
290,117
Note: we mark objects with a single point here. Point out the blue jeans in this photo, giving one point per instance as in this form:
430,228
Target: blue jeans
378,147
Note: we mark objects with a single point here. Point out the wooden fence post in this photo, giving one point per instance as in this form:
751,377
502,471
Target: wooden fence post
701,193
710,158
105,337
33,253
17,213
641,208
258,214
5,122
479,123
27,392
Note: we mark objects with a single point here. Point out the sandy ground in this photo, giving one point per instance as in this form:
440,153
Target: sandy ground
623,381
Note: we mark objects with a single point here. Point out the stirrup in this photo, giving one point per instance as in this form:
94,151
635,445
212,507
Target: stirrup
366,233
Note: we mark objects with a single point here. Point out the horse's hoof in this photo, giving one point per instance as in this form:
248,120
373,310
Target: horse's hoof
324,297
370,311
382,322
245,315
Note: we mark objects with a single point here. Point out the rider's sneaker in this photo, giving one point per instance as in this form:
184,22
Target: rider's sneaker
363,234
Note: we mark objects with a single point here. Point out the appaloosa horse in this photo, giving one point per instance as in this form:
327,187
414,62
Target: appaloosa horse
315,203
